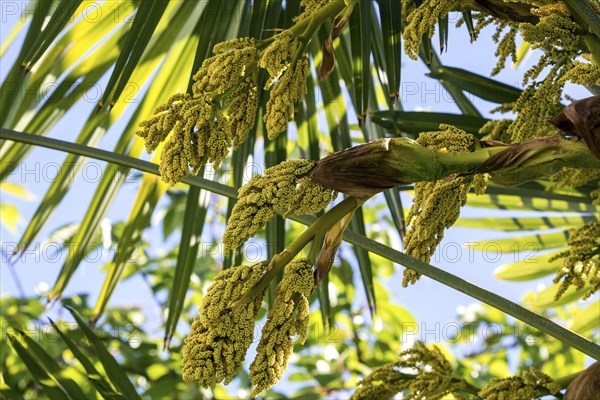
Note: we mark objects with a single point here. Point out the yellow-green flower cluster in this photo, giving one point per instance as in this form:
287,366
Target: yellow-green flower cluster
496,129
218,116
436,205
220,336
309,8
581,260
506,45
310,198
284,188
432,380
422,22
574,177
538,102
287,318
583,73
554,29
529,385
288,71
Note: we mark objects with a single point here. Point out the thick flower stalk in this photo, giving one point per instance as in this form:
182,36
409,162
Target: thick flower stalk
368,169
529,385
216,346
581,260
423,372
287,318
284,188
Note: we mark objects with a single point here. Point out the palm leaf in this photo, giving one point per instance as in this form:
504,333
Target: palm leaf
49,385
114,372
102,386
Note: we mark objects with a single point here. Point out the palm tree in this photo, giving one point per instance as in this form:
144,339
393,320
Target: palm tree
149,59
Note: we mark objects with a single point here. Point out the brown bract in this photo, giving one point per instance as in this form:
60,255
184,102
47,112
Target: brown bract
582,118
358,171
506,11
586,385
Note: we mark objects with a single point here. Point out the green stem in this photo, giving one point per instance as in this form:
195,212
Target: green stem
565,381
522,314
593,44
279,261
324,13
316,246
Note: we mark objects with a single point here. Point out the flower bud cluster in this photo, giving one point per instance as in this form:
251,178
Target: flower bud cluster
203,127
284,188
583,73
218,117
555,28
574,177
216,346
528,385
581,260
287,317
539,101
287,81
422,22
436,205
421,372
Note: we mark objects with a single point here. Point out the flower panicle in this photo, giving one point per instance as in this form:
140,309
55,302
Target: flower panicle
422,21
528,385
539,100
202,127
555,27
581,260
284,188
432,377
216,346
436,205
287,70
287,318
585,72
